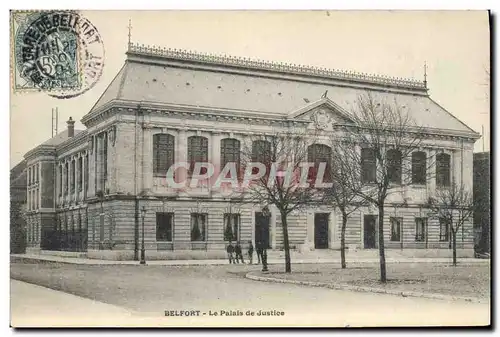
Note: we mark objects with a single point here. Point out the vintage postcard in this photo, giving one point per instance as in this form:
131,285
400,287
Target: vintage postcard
249,168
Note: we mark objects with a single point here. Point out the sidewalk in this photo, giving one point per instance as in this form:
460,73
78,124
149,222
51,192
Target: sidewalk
274,257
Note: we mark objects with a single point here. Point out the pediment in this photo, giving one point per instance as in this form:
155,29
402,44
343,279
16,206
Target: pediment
323,114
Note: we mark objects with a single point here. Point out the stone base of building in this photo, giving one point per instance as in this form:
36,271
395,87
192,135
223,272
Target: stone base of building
60,253
128,255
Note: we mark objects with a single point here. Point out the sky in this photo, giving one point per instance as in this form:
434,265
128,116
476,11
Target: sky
454,45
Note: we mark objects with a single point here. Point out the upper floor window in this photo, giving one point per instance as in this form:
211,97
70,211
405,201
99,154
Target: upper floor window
197,152
80,173
261,153
29,175
230,153
66,178
368,166
86,172
318,154
37,173
73,175
163,153
419,168
394,166
443,170
60,180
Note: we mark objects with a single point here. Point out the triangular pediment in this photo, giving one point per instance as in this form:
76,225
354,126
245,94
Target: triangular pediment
323,113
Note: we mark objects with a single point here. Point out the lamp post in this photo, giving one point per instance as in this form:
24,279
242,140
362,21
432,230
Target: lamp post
143,251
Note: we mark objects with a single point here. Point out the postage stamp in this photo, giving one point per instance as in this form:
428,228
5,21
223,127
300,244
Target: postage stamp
57,52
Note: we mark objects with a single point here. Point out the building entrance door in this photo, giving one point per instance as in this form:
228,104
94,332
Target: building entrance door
321,230
262,230
369,231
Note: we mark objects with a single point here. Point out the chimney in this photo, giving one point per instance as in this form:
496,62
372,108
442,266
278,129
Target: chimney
71,127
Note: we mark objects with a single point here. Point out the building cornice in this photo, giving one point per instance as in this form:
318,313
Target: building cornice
41,150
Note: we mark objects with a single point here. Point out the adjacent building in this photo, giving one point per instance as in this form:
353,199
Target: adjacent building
93,190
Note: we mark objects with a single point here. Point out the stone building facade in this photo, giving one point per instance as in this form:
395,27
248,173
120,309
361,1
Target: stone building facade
92,190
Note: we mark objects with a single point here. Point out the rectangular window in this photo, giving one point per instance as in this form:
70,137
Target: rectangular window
396,228
104,162
420,229
29,176
60,179
198,226
80,174
86,174
368,166
164,226
66,178
231,227
73,175
444,233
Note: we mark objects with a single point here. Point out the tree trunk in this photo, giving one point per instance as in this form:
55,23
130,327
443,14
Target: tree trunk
454,248
381,249
342,240
286,243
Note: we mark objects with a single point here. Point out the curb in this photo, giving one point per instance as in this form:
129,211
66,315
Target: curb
366,289
40,259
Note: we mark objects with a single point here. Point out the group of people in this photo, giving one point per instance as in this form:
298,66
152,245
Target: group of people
234,253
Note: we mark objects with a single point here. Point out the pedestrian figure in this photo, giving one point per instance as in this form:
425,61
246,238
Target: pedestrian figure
237,251
250,252
230,252
259,252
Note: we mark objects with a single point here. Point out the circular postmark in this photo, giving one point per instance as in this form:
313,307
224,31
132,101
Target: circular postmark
58,52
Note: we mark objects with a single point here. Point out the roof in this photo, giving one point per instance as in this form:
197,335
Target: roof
60,138
164,80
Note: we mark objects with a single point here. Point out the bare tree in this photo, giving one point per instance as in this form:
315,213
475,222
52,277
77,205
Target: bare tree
344,196
454,205
280,155
378,148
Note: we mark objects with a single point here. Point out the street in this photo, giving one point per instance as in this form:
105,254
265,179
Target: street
212,296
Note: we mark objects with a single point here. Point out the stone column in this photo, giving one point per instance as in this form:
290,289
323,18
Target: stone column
92,173
215,156
310,229
147,158
332,224
181,154
431,172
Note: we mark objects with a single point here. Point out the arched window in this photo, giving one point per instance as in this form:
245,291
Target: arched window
230,153
419,167
261,153
368,166
443,170
197,152
163,153
317,154
394,166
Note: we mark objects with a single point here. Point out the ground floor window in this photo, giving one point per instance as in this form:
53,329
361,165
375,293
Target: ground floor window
164,226
444,233
396,228
420,225
231,226
198,226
